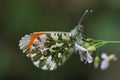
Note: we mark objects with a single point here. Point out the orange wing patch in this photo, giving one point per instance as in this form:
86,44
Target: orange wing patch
34,36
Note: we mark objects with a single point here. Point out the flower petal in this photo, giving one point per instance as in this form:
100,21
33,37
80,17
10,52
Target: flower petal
89,58
104,64
84,55
104,56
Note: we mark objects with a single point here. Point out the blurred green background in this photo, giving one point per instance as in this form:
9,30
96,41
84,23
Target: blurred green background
20,17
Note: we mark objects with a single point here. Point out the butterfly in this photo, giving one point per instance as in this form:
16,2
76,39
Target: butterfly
48,50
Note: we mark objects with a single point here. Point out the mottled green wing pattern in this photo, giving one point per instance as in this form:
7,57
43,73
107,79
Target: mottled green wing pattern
48,50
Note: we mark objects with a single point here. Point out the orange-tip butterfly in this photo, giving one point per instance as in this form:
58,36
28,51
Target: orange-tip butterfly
48,50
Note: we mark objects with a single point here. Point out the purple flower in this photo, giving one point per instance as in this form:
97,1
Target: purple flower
84,54
106,60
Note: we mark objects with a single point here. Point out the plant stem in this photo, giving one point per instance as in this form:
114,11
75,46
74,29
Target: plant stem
101,43
112,42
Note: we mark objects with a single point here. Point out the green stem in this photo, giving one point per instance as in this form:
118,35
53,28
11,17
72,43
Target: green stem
101,43
112,42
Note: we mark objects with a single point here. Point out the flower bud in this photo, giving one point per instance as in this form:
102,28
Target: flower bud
91,49
96,61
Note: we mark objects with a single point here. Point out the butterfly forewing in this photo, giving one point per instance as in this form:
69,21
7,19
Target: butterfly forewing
48,50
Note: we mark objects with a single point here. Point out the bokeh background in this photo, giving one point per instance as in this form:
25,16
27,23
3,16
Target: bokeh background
20,17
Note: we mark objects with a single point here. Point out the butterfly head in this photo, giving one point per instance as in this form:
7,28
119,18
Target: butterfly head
79,27
78,30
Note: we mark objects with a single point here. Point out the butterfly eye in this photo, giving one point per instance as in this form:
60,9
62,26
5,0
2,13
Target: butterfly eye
79,29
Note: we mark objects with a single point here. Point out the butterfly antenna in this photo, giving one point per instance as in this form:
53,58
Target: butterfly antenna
84,16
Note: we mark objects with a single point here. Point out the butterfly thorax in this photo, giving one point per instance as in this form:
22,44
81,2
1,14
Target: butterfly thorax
77,34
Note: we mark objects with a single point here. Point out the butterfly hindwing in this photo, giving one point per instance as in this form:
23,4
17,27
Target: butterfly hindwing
48,50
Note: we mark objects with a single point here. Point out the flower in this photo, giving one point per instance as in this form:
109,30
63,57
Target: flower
84,54
106,60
